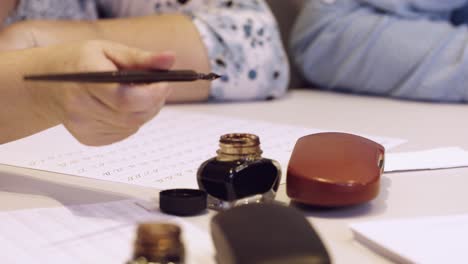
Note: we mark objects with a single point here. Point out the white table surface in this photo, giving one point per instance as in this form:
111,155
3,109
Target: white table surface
407,194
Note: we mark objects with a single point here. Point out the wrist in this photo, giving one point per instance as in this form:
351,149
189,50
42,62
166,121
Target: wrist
22,113
40,96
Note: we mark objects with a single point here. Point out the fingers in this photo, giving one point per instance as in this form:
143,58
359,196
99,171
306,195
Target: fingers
93,123
100,114
138,104
162,61
130,58
122,98
126,98
91,137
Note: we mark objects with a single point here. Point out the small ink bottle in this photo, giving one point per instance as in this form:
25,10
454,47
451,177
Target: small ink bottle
158,243
238,174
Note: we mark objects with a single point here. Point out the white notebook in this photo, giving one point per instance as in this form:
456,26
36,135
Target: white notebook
164,154
439,239
101,233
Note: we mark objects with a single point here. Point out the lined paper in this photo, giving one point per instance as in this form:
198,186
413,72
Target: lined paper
165,153
98,233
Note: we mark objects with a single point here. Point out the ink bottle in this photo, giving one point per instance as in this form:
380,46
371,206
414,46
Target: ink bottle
238,174
158,243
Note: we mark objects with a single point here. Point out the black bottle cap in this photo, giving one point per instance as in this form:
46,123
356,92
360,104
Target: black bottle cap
182,202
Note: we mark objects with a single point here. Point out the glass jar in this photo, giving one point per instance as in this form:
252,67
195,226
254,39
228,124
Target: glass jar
158,243
238,174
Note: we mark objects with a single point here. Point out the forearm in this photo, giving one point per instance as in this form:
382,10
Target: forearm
411,8
174,33
19,115
355,48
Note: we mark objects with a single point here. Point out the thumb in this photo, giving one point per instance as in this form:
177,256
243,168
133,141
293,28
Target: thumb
131,58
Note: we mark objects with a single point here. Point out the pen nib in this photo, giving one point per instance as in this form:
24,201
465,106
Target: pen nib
209,76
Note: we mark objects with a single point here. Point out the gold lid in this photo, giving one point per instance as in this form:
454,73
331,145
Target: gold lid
158,242
239,145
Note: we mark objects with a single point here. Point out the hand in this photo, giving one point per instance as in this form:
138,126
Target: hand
20,35
98,114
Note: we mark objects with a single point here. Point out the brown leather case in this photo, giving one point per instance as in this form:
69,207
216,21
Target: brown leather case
334,169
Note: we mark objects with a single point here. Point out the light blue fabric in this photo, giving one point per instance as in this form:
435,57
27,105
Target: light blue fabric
53,9
241,37
413,49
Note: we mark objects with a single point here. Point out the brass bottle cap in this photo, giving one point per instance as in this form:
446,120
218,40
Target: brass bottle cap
158,243
239,145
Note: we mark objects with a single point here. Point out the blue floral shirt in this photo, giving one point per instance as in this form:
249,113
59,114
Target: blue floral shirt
241,37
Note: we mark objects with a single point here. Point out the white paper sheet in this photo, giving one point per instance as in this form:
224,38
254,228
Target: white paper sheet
450,157
99,233
442,239
164,154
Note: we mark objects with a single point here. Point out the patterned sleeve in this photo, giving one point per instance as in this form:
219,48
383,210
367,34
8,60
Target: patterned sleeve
241,37
395,48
